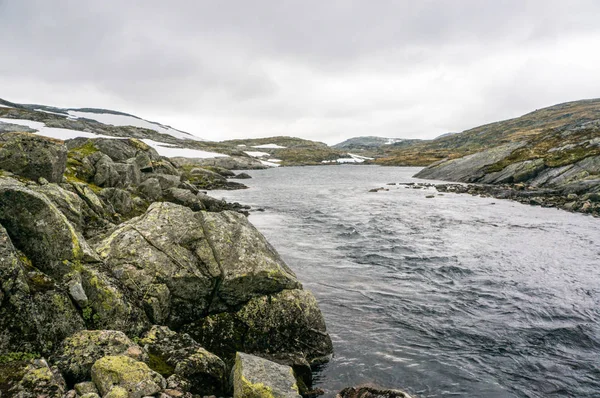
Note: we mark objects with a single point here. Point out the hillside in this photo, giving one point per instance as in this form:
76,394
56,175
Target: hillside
552,153
521,129
292,151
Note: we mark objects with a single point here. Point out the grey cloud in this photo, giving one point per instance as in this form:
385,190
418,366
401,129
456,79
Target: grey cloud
318,69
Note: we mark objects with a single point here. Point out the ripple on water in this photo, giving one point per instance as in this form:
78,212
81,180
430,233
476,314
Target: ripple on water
442,297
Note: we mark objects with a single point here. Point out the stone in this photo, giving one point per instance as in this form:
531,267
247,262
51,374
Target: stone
32,156
69,203
243,176
185,198
367,391
86,387
122,371
151,189
78,353
255,377
119,199
176,353
107,174
31,379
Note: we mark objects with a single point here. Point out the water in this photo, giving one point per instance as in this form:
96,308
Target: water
447,296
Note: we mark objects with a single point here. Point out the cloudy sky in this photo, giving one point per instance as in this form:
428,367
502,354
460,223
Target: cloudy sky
318,69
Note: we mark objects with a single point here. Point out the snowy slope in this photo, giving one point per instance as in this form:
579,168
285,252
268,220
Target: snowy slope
127,120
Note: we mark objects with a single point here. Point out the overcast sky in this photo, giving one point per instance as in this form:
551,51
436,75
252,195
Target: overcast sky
317,69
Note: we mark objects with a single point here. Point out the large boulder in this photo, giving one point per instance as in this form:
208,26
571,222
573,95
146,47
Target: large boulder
32,156
79,352
182,265
255,377
178,354
39,229
125,373
287,327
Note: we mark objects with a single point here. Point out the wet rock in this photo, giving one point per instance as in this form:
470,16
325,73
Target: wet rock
79,352
257,377
370,392
243,176
120,371
32,156
178,354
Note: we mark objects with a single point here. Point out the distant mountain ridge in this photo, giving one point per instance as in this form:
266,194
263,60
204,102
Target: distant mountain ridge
371,142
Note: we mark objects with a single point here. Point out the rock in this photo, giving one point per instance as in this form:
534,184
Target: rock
117,392
69,203
185,198
165,181
32,156
174,353
133,376
151,189
430,196
182,265
370,392
243,176
144,162
106,173
35,314
86,387
165,167
228,162
31,379
95,395
255,377
285,326
119,199
39,229
79,352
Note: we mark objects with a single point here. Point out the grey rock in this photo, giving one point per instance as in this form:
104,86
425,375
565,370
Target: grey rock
32,156
122,371
257,377
151,189
79,352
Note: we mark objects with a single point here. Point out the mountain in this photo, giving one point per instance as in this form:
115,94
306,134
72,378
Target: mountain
520,129
372,142
71,123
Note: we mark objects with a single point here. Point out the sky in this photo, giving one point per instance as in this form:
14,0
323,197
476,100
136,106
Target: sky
323,70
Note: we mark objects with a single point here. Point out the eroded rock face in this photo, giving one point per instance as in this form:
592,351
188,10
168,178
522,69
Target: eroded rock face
79,352
183,264
287,327
35,314
178,354
32,156
255,377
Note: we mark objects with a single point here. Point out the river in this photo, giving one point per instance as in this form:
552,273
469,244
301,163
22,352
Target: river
447,296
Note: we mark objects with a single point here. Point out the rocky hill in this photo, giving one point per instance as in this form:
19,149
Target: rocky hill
551,155
119,277
69,123
517,130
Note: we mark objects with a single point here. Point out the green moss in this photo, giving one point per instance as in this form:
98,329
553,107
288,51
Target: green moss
18,356
85,150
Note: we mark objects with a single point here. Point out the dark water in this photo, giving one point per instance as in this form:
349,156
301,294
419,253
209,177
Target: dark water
450,296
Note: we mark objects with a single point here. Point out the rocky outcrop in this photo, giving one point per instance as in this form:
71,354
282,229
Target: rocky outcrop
91,265
255,377
229,163
367,391
32,156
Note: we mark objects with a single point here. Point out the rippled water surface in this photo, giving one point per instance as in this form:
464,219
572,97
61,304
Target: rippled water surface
447,296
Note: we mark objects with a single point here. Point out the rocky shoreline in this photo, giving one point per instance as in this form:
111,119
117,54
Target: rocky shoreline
571,200
120,277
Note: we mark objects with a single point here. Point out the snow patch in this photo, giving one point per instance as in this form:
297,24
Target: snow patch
257,154
172,151
123,120
274,160
269,146
5,106
53,132
270,164
352,159
52,113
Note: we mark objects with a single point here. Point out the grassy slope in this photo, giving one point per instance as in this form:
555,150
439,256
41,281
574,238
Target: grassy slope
526,128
